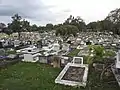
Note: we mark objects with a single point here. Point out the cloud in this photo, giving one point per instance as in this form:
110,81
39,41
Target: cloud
42,12
30,9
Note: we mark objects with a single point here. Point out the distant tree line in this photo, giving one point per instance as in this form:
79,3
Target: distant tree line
72,25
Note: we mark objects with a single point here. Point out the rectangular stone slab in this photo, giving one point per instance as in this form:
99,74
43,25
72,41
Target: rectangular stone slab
82,76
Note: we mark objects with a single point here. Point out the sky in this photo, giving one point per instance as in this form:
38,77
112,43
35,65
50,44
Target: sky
41,12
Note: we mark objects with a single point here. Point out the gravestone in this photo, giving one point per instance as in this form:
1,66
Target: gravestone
39,44
31,54
77,60
118,60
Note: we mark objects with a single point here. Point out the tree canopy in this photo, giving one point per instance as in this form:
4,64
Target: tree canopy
114,17
66,30
110,23
76,21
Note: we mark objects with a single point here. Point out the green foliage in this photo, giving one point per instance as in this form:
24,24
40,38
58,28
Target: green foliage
49,26
98,52
90,60
104,25
25,25
92,25
66,30
114,14
109,53
78,22
74,53
34,27
16,23
10,52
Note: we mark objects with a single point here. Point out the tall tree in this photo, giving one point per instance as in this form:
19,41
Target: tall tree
114,17
103,25
25,25
34,27
92,26
49,26
78,22
16,25
67,30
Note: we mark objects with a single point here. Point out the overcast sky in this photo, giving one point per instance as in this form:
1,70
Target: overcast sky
42,12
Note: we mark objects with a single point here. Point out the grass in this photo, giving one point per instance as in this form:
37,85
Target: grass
30,76
74,53
35,76
11,52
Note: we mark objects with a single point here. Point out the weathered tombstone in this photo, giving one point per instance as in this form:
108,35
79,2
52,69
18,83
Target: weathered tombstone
39,44
16,43
65,46
118,62
77,60
56,47
56,62
64,60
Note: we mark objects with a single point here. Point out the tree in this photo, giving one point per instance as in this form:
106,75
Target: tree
2,27
7,31
40,29
56,26
98,54
78,22
25,25
92,26
49,26
16,26
103,25
34,27
106,25
67,30
114,17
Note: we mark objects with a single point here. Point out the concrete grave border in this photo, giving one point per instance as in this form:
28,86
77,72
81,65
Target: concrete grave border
81,58
72,83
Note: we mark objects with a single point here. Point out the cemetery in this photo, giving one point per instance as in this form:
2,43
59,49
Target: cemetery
74,65
39,50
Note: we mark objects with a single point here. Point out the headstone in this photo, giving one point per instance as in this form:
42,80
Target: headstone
77,60
118,60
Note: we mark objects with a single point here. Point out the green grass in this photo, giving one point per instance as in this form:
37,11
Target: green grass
74,53
35,76
30,76
11,52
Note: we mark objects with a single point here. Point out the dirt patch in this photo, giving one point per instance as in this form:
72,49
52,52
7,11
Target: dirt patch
74,74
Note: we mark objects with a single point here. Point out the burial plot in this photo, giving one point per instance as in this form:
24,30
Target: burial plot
31,54
73,75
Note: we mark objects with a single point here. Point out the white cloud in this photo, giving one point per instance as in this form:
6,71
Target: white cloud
89,10
56,11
